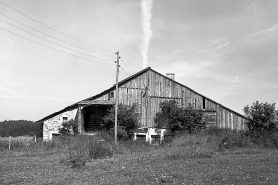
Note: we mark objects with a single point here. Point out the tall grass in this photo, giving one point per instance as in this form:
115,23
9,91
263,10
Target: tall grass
79,149
209,142
196,145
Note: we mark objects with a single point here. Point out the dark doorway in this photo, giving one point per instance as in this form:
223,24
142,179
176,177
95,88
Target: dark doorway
93,117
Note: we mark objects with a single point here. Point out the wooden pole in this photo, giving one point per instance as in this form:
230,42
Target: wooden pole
10,142
117,99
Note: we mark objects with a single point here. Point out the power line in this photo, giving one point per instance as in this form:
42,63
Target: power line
54,37
126,65
53,42
53,28
54,48
125,70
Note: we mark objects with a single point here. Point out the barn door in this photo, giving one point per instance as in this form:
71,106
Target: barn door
93,118
209,117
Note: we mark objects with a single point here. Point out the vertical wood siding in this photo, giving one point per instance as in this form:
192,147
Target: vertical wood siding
149,89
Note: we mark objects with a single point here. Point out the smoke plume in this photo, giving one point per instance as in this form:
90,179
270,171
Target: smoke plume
146,8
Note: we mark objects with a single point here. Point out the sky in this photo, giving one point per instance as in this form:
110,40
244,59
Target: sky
223,49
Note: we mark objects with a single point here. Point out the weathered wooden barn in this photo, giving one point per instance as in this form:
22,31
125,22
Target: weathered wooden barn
146,89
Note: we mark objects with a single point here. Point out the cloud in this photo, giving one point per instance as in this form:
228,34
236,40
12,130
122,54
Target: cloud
192,68
146,13
223,91
270,30
215,45
14,95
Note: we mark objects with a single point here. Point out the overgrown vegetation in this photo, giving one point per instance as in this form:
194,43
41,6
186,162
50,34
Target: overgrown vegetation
263,124
263,116
127,121
182,157
177,119
189,159
69,128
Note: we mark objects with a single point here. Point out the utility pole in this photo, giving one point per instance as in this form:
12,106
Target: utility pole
117,99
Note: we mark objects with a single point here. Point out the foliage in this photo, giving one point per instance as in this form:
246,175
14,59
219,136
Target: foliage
69,128
83,148
19,128
263,116
234,140
179,119
264,138
99,149
127,121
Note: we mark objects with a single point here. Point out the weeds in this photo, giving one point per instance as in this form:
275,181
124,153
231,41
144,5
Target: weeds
80,149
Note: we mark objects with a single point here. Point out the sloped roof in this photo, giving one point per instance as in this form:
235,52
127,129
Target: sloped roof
91,99
94,97
96,102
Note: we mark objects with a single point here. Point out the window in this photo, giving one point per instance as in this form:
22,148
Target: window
111,95
204,103
65,118
55,135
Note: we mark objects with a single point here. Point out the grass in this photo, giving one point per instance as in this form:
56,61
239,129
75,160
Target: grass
188,159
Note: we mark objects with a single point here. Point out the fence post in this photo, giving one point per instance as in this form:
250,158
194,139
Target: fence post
10,142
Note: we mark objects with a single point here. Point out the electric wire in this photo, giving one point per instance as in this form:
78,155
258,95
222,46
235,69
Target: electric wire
127,66
53,28
54,48
54,42
125,71
53,37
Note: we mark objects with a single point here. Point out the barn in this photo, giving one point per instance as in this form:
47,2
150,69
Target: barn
146,89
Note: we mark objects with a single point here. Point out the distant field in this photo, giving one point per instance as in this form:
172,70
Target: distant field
22,138
159,165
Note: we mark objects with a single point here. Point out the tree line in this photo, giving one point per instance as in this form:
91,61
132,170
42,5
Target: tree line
19,128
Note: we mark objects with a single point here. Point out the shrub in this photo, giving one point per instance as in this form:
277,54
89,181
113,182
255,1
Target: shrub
263,116
127,121
99,149
69,128
178,119
265,138
234,140
83,148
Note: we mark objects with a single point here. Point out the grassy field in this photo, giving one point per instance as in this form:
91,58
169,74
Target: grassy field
195,159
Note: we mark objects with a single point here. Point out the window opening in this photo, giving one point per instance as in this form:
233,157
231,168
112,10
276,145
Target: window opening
204,103
65,119
111,95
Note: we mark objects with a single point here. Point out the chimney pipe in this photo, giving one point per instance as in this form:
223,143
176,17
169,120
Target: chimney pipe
170,75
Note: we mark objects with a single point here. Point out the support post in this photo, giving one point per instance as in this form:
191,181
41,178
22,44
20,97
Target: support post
117,99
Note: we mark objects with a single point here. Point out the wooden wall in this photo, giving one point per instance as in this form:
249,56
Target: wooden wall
149,89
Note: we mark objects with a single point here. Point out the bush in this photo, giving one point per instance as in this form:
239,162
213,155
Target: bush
127,121
263,116
235,140
69,128
99,149
265,138
178,119
83,148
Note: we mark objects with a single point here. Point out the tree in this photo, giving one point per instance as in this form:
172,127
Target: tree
127,121
17,128
179,119
263,116
69,128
